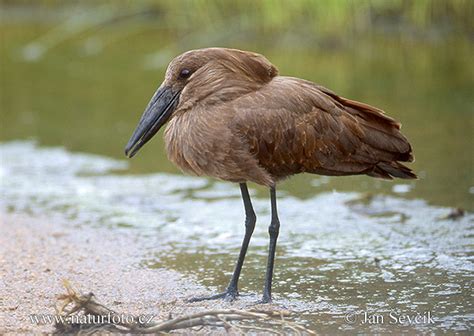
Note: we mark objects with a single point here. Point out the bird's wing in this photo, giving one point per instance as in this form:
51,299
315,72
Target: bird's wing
293,126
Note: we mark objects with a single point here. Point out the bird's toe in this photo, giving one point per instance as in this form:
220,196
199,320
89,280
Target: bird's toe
228,295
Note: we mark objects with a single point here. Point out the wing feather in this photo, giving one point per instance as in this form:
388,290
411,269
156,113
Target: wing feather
298,126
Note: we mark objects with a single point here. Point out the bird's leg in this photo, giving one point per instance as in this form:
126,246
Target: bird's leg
273,231
250,220
232,289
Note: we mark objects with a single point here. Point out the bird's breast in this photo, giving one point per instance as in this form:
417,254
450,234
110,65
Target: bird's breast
196,145
181,145
205,145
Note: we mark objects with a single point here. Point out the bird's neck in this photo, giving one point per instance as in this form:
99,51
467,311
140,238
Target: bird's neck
220,90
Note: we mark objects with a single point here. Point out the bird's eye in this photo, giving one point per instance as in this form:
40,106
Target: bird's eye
185,73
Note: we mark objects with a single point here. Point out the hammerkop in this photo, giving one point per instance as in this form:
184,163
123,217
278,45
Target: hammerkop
231,116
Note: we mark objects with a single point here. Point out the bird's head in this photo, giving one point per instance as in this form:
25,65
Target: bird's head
210,76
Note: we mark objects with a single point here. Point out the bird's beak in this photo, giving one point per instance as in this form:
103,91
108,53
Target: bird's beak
158,111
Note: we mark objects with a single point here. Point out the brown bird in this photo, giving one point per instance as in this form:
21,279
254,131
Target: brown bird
231,116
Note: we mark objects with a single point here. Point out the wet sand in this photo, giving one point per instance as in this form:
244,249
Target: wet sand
36,254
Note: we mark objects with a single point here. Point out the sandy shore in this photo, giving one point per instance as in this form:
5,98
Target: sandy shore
36,254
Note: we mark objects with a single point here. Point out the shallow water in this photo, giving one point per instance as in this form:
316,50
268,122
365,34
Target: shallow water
339,254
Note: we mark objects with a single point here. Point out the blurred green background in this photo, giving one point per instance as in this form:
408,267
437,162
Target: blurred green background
79,73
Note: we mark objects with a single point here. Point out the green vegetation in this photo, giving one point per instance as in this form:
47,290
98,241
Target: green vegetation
315,19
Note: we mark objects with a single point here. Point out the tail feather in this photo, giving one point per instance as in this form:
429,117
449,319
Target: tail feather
383,132
384,137
383,143
389,170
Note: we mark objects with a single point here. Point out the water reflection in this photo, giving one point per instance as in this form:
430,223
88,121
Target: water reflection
339,253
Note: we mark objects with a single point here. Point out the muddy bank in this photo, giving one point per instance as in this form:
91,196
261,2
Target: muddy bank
38,253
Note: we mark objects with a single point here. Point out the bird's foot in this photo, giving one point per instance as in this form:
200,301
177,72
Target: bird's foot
229,295
265,299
